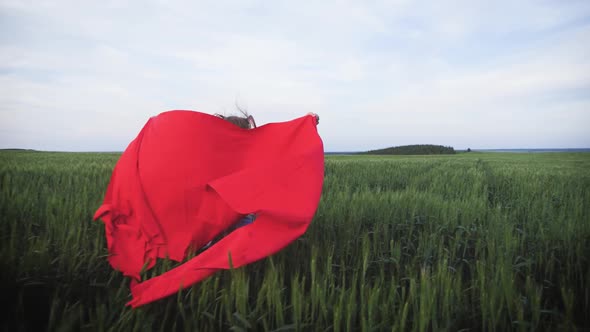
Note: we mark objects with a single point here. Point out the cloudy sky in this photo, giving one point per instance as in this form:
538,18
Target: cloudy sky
86,75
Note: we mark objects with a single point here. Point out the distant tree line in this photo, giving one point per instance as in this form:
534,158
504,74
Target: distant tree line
418,149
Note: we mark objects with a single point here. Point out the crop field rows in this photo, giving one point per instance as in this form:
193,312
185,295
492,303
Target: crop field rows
473,242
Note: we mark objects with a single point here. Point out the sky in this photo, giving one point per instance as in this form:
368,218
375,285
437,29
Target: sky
87,75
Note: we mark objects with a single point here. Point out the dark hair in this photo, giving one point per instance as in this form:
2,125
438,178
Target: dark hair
246,121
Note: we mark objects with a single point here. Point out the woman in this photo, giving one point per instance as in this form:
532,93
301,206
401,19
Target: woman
246,121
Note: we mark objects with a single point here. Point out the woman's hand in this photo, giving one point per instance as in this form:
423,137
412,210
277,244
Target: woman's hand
317,117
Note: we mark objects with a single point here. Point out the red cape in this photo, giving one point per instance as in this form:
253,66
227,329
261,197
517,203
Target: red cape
188,176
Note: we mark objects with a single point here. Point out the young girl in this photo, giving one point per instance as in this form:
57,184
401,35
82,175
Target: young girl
245,121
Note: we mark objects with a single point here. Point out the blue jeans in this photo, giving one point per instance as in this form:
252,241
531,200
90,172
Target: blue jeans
242,222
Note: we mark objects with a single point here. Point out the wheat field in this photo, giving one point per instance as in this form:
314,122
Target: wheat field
471,242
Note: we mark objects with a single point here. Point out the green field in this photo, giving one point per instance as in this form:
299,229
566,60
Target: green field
473,241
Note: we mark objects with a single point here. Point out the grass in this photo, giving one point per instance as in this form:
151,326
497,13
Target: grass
478,242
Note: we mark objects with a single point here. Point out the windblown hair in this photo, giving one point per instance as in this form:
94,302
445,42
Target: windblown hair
246,121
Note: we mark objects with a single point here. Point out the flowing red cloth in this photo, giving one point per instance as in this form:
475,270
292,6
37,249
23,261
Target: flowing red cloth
188,176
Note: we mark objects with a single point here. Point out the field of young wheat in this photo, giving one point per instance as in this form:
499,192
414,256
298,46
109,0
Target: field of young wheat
474,241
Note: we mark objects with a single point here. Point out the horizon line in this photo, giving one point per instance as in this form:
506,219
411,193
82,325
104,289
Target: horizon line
325,152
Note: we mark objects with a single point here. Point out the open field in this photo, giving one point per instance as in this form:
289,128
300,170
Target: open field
475,241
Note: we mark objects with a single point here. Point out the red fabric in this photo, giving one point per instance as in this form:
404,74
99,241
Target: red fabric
188,176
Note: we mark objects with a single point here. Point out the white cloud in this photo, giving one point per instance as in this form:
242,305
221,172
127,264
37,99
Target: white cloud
380,73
